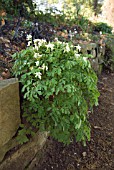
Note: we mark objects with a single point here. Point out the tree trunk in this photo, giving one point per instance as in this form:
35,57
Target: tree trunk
108,12
95,5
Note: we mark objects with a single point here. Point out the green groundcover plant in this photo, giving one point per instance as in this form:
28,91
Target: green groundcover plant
59,87
103,27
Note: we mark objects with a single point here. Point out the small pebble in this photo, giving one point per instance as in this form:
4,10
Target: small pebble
84,154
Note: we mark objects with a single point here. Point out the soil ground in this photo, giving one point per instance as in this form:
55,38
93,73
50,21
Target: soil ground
98,154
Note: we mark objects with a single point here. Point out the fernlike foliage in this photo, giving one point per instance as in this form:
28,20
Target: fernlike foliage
59,87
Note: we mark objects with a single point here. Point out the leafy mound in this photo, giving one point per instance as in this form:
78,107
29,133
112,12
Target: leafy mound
59,87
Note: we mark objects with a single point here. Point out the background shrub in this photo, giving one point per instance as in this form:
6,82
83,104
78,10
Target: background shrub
103,27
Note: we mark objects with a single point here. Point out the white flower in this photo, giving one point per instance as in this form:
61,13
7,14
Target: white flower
39,42
38,74
36,47
37,63
36,40
44,67
71,46
85,59
78,47
43,40
67,49
56,39
29,43
50,45
37,55
29,37
77,55
59,42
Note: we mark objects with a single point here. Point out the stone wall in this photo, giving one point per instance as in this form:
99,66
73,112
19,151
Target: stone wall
97,51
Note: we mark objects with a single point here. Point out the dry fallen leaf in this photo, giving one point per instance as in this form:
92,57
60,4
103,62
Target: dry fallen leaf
6,74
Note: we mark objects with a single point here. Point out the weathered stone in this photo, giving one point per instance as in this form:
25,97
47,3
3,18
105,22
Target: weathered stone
90,48
9,110
94,53
101,50
100,58
8,146
23,157
94,64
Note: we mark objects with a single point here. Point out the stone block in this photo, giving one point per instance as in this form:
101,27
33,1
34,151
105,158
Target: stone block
89,47
9,110
24,157
94,64
7,147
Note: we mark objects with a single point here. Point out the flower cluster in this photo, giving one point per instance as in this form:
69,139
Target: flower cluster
42,42
41,45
